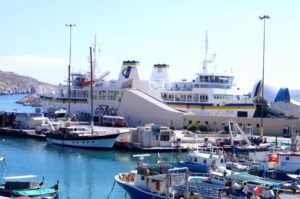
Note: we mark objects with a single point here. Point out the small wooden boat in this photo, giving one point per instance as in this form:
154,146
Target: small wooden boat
15,187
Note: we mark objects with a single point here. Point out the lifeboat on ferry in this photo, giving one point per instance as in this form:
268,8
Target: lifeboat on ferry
85,82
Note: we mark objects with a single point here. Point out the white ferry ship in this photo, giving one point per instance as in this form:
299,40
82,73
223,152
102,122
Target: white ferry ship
209,94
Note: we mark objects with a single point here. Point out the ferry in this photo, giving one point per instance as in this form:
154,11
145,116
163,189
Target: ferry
209,94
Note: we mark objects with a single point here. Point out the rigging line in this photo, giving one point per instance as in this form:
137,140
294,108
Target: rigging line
111,190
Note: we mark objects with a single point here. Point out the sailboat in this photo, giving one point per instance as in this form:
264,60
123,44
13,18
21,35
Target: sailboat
82,136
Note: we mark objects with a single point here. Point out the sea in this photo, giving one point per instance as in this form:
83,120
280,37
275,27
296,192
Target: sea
81,173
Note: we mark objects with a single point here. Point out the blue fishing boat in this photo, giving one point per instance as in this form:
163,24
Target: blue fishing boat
201,162
152,181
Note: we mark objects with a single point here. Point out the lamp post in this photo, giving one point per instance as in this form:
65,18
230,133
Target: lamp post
264,17
69,71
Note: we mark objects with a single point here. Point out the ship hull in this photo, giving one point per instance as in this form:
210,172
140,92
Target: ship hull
96,142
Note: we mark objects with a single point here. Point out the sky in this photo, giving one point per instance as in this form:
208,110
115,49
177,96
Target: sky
35,40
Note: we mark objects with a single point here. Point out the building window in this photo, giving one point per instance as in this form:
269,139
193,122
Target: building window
257,125
204,161
287,158
164,138
195,159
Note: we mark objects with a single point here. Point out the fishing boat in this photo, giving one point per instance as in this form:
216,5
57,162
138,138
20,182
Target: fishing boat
151,181
258,185
18,186
201,162
160,181
12,188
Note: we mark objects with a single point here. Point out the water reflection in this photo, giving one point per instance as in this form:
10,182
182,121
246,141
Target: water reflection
82,173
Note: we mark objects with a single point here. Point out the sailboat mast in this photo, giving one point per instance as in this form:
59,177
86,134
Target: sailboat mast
69,71
92,92
95,57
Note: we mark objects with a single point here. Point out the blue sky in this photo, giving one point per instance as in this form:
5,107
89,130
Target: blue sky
35,41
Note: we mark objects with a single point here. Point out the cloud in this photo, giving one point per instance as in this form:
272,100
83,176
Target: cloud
46,69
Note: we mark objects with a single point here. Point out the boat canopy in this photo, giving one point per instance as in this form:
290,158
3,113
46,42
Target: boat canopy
19,177
207,185
244,177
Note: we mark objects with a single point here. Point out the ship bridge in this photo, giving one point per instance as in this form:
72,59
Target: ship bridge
214,81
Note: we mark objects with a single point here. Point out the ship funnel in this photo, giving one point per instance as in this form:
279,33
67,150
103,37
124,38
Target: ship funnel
129,71
160,76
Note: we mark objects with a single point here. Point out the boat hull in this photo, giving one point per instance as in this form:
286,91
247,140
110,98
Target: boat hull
196,168
136,193
10,193
102,142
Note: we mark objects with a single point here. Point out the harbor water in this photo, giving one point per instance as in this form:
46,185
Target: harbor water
82,174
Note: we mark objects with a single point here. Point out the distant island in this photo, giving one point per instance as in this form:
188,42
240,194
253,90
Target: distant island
12,83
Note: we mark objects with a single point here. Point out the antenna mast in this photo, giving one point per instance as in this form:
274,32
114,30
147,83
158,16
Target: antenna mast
204,67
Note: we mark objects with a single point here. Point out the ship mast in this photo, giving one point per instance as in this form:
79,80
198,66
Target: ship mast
92,93
204,63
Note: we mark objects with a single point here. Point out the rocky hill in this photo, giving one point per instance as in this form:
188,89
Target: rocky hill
12,83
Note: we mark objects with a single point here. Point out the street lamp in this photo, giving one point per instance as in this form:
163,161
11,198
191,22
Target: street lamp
264,17
69,71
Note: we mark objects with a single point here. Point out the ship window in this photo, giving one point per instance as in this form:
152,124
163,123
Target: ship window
195,159
204,161
142,177
111,95
287,158
94,94
189,97
85,94
102,94
73,93
257,125
221,160
205,79
93,141
196,97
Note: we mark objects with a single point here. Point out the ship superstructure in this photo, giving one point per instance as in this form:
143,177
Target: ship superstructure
209,94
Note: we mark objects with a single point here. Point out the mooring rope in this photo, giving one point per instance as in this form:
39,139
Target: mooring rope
111,190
